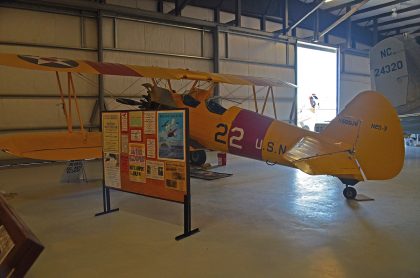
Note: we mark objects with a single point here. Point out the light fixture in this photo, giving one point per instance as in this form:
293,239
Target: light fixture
394,13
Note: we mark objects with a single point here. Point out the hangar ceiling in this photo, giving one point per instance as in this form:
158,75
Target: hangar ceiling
389,17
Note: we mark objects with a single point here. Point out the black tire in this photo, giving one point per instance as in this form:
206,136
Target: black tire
198,157
350,193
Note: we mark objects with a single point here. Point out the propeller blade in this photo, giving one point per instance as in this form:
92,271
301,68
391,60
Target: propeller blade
128,101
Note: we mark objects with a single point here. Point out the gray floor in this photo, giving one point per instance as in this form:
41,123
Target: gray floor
261,222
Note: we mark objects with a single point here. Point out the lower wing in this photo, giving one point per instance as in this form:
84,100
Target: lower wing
53,145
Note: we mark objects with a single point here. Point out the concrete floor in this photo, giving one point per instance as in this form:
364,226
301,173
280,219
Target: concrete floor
261,222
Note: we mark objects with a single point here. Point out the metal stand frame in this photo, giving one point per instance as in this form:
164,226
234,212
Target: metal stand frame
187,220
106,198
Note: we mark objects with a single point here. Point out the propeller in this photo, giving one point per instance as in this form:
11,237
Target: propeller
145,101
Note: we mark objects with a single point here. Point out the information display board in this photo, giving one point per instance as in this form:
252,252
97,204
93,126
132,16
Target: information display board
145,152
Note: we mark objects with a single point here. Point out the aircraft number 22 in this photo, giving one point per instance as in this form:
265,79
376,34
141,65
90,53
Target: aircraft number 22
234,139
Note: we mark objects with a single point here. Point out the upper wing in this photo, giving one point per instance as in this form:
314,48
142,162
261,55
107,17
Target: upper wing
83,66
315,156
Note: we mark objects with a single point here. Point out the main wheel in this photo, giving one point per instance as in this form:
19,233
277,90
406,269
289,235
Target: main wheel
198,157
350,193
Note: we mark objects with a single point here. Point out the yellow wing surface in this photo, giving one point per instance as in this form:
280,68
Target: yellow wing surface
53,145
364,142
83,66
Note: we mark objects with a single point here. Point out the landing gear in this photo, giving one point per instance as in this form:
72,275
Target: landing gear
198,158
350,193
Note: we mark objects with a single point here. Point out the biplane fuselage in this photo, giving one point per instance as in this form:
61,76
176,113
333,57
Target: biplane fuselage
242,132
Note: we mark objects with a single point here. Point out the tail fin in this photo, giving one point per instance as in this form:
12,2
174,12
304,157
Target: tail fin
371,125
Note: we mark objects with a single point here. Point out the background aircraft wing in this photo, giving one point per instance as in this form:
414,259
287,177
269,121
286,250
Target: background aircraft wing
316,156
83,66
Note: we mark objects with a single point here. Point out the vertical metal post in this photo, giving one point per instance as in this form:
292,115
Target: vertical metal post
115,32
217,14
226,45
338,90
177,8
160,6
82,32
101,96
375,31
216,57
187,197
263,25
285,16
316,26
238,10
202,43
349,39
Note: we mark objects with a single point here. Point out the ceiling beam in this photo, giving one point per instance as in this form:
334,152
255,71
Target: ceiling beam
348,14
380,6
400,11
342,6
316,7
417,24
398,20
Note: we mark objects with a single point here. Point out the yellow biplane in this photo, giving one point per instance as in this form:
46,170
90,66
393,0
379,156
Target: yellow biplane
364,142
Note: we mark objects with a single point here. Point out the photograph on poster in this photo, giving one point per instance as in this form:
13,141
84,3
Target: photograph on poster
135,135
111,132
171,141
151,148
124,122
124,143
155,170
137,162
149,122
175,175
112,170
136,119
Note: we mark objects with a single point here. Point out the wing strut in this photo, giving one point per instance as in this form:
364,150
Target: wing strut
255,98
266,98
71,95
274,103
70,77
69,127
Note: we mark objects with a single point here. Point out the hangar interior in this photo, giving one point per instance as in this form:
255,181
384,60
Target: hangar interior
262,221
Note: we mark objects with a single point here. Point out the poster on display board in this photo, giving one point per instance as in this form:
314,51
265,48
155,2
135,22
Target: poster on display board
171,135
145,152
111,148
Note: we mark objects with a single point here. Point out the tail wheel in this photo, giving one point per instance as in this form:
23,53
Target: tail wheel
198,157
350,193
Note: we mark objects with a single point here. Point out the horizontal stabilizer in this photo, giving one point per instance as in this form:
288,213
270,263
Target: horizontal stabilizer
53,145
317,156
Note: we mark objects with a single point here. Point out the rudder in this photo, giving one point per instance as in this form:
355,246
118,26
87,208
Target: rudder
371,125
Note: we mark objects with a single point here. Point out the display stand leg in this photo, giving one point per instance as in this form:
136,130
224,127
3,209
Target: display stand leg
106,198
187,220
